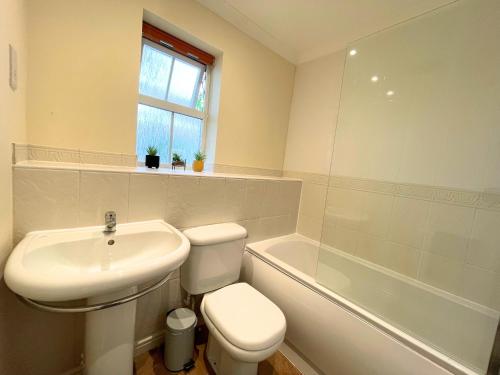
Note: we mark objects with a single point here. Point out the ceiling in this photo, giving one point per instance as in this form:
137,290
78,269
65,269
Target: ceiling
303,30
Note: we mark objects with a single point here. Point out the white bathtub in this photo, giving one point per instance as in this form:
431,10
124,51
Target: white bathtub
388,324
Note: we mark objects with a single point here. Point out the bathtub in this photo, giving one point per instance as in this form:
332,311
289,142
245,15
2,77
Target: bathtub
376,321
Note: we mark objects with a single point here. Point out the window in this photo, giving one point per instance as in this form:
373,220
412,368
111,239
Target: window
172,100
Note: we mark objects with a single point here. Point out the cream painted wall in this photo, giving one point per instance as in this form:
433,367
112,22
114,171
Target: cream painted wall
83,82
12,111
311,134
313,114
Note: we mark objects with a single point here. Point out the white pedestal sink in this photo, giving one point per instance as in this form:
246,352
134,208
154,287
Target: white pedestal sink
53,266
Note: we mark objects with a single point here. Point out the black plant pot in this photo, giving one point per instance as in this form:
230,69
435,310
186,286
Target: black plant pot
152,161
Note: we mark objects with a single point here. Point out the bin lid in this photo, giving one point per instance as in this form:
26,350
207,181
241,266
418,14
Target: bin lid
181,319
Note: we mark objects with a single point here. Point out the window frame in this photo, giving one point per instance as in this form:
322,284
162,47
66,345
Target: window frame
178,108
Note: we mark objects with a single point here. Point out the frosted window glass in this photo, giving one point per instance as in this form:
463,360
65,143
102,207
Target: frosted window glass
200,100
153,129
155,72
187,136
184,84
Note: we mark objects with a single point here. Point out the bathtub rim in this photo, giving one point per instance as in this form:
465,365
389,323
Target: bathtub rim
356,311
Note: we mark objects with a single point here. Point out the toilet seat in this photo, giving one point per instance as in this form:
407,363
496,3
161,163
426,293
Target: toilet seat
246,323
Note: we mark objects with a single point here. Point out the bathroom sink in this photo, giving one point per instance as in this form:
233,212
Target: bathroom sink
70,264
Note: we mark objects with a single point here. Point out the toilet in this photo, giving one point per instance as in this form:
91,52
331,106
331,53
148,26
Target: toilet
244,326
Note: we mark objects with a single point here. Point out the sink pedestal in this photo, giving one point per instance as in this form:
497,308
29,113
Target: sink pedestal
109,337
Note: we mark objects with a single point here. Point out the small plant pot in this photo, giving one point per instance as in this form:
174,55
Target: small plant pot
152,161
176,164
198,165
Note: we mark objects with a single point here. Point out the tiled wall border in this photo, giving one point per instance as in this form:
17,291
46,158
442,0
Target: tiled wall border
485,200
24,152
306,177
224,168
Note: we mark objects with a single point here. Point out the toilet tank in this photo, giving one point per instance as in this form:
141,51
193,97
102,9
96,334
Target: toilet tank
215,257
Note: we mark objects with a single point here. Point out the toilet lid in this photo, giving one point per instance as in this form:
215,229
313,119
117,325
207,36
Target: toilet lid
245,317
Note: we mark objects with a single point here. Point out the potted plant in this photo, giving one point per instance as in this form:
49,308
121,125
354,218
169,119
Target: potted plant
152,157
199,161
177,161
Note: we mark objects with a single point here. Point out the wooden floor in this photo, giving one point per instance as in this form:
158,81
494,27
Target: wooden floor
151,363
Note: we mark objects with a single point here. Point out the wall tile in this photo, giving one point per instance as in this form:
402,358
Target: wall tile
20,153
495,298
479,285
399,258
441,272
148,197
456,196
181,196
310,227
294,214
448,230
193,201
45,153
310,178
209,203
275,201
376,213
484,246
312,203
275,226
44,199
153,308
292,193
128,160
339,237
53,154
291,223
171,295
234,169
402,259
255,191
345,207
373,249
253,229
91,157
101,192
149,314
234,199
408,221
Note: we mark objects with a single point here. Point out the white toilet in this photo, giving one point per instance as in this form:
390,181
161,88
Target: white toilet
244,326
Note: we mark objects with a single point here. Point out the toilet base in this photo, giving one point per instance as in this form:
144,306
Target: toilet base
223,364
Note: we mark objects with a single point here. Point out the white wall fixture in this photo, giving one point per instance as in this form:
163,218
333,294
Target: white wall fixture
244,326
103,267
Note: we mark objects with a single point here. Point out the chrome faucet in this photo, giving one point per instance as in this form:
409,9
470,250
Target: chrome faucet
110,222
